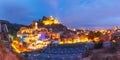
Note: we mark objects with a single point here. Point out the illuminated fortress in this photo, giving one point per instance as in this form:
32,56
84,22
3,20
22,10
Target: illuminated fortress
50,21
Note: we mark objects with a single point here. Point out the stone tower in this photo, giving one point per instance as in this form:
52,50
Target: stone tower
4,34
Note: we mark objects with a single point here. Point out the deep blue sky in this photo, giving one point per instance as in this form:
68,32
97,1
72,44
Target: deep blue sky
72,13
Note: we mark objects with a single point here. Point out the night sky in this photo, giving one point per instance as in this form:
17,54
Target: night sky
73,13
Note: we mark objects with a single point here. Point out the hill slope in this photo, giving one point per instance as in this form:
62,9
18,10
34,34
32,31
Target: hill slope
12,27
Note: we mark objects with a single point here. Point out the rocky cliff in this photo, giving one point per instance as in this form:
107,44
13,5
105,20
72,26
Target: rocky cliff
5,54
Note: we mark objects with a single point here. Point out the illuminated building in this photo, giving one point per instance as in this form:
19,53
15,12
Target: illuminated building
36,37
55,36
116,28
74,39
50,21
84,39
30,39
36,25
116,36
66,41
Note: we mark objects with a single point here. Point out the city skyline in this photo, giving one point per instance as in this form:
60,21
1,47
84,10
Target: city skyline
69,12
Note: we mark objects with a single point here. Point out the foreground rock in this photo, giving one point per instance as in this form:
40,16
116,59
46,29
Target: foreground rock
105,55
5,54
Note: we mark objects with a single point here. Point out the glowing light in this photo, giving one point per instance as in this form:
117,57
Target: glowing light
18,46
29,41
50,21
96,39
42,37
51,18
84,39
36,25
74,29
113,41
61,42
11,37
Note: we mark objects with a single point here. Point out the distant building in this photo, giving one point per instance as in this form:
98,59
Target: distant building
116,36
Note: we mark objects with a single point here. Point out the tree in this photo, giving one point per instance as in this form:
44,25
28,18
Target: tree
99,44
98,34
91,35
113,48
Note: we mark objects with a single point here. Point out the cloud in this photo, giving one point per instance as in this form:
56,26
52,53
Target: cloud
14,12
92,13
70,12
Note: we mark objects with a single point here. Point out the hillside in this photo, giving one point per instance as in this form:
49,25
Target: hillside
12,27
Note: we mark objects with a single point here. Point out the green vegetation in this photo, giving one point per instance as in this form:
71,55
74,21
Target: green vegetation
99,44
113,48
12,27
